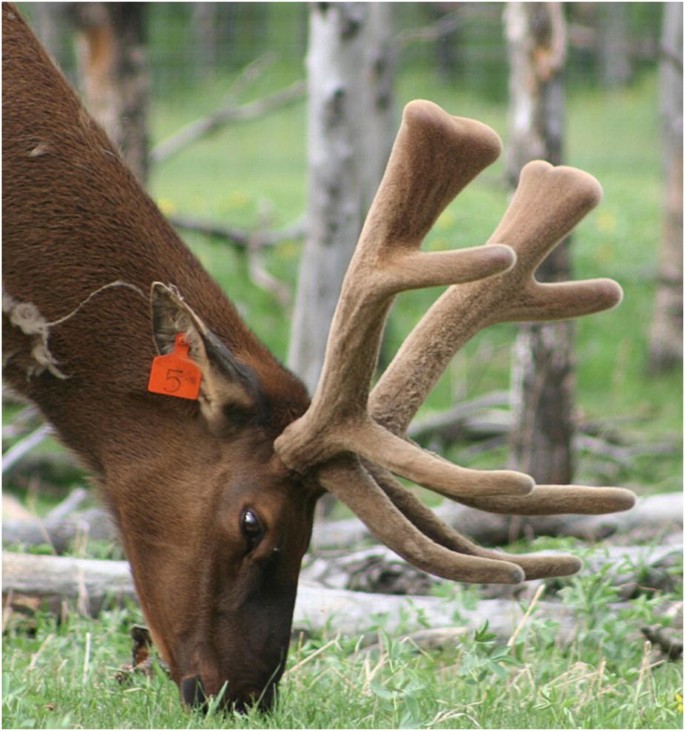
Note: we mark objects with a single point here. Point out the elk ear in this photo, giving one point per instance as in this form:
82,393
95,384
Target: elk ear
229,392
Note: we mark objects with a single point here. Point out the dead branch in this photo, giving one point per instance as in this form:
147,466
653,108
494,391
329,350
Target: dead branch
485,419
434,32
28,418
30,431
69,505
622,455
260,275
248,76
241,238
253,242
238,237
479,416
442,27
228,114
255,260
17,452
49,469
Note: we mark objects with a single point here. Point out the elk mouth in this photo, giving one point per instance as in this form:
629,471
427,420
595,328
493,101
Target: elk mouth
242,701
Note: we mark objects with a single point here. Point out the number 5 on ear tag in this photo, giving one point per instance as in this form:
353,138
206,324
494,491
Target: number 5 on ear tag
175,374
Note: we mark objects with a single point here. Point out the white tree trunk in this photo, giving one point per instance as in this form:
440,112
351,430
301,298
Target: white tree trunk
349,132
543,386
666,343
116,75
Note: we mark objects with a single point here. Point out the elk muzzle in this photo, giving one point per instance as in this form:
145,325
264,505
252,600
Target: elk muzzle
194,695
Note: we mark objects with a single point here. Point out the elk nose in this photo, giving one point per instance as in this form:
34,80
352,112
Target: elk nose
194,695
192,691
253,697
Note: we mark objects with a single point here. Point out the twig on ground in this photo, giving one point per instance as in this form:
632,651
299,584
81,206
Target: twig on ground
512,640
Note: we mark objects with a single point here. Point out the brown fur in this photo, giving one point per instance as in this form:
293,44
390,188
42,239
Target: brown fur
74,220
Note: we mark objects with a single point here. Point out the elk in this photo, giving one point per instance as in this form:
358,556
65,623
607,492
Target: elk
214,492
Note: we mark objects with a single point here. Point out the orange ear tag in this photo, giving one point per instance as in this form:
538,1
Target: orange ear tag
175,374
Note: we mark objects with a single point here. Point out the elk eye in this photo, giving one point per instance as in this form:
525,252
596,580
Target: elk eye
251,528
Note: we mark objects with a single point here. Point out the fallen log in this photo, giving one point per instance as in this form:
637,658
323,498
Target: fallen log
92,583
339,611
56,578
653,516
59,532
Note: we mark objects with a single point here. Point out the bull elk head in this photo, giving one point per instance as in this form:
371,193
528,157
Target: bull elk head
214,494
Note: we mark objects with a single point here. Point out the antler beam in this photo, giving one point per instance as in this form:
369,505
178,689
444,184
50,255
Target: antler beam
434,157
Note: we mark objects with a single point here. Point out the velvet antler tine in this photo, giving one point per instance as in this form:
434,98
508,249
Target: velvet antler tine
375,443
558,499
548,203
434,157
346,478
565,300
534,566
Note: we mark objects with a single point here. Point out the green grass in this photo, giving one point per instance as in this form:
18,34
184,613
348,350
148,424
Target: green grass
64,676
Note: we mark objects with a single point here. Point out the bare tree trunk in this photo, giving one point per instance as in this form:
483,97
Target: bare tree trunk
447,51
204,26
613,45
116,76
379,82
53,26
666,344
543,386
350,73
